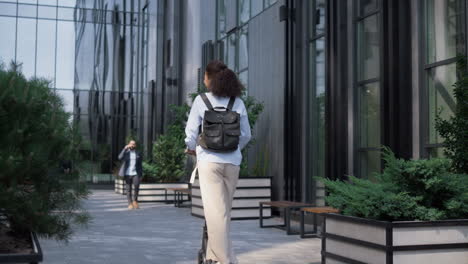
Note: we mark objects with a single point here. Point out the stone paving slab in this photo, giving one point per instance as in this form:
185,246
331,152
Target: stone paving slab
159,233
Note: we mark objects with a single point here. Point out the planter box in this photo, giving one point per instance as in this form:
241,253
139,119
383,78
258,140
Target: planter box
34,257
250,191
152,192
357,240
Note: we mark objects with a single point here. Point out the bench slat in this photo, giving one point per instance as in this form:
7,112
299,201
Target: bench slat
320,210
283,204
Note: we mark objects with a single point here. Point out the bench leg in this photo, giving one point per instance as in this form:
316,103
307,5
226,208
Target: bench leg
178,199
261,216
262,225
314,233
287,220
315,223
302,224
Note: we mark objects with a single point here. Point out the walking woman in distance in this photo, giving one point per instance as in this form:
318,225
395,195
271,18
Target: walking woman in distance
225,130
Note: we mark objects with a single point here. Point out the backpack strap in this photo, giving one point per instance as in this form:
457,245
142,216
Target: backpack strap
207,102
231,102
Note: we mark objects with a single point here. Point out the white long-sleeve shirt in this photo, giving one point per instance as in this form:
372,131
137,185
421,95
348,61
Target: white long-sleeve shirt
195,120
131,170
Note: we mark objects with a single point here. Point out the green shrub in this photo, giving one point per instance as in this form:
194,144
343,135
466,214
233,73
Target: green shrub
36,136
168,163
254,109
455,130
168,159
405,190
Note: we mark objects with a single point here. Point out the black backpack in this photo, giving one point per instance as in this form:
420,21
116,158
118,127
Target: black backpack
221,127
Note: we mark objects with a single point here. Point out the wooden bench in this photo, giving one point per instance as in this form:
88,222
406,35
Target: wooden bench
287,207
316,211
179,195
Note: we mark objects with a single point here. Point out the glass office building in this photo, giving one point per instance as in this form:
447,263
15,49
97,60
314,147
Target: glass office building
95,55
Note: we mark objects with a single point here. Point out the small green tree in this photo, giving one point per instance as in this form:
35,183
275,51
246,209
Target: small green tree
455,130
168,160
168,163
35,194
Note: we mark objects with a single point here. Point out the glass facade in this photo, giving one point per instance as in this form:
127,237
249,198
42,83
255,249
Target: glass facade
316,99
235,44
367,90
444,38
94,53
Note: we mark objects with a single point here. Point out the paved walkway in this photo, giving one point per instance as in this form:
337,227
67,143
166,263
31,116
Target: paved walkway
162,234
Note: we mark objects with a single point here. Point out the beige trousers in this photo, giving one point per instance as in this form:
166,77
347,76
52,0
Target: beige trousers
218,183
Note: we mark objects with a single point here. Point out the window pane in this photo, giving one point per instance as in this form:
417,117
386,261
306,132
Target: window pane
244,11
244,78
443,36
256,6
84,55
232,51
270,2
369,115
7,45
128,58
82,102
368,48
45,66
26,47
48,2
8,9
317,66
441,97
70,3
243,49
28,1
68,99
27,10
66,55
369,163
317,107
366,7
83,124
221,50
317,17
47,12
65,13
221,18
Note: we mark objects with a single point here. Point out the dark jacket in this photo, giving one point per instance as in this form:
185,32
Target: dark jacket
124,157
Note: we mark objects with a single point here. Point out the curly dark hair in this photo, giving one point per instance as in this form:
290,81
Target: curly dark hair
223,81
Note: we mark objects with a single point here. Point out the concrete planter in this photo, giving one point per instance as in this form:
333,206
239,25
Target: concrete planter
250,191
32,258
153,192
357,240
